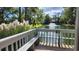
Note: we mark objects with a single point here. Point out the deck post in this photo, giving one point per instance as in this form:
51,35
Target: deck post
76,48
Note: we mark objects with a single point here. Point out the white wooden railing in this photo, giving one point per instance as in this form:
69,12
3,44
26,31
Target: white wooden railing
18,41
63,38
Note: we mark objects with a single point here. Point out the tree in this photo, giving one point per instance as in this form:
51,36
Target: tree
34,15
40,17
47,19
19,19
26,13
69,15
1,15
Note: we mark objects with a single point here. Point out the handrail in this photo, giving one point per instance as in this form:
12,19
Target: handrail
65,30
57,37
50,37
5,42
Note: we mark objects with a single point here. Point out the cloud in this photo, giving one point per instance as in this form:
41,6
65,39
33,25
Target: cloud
52,10
45,9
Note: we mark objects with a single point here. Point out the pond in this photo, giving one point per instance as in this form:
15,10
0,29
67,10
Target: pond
55,26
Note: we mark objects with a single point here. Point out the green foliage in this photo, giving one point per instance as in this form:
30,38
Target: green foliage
11,31
47,19
18,29
69,15
34,15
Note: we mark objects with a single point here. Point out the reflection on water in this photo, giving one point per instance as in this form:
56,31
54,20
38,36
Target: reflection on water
55,26
52,26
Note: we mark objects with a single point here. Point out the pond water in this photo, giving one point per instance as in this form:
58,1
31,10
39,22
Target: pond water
55,26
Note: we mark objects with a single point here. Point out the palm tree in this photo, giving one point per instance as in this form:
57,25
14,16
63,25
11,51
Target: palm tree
34,15
1,15
19,19
26,13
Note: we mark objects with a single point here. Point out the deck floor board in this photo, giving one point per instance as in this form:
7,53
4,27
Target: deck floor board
47,48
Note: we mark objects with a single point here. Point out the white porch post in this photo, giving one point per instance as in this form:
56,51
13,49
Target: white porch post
76,48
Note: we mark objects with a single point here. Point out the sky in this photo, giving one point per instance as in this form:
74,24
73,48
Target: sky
52,10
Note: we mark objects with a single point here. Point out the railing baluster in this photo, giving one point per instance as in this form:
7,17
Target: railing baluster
45,38
12,47
73,39
16,45
51,39
69,40
7,48
52,36
41,37
54,39
25,39
59,39
20,43
63,43
48,39
71,43
63,40
65,34
57,43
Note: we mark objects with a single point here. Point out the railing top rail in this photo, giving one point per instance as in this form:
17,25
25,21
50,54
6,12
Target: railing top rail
11,39
54,29
65,30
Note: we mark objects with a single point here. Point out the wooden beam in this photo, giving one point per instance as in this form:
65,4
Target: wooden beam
76,48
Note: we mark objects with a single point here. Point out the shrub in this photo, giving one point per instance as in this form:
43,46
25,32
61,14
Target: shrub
15,27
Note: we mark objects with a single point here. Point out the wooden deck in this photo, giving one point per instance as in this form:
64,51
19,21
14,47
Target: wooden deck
48,48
